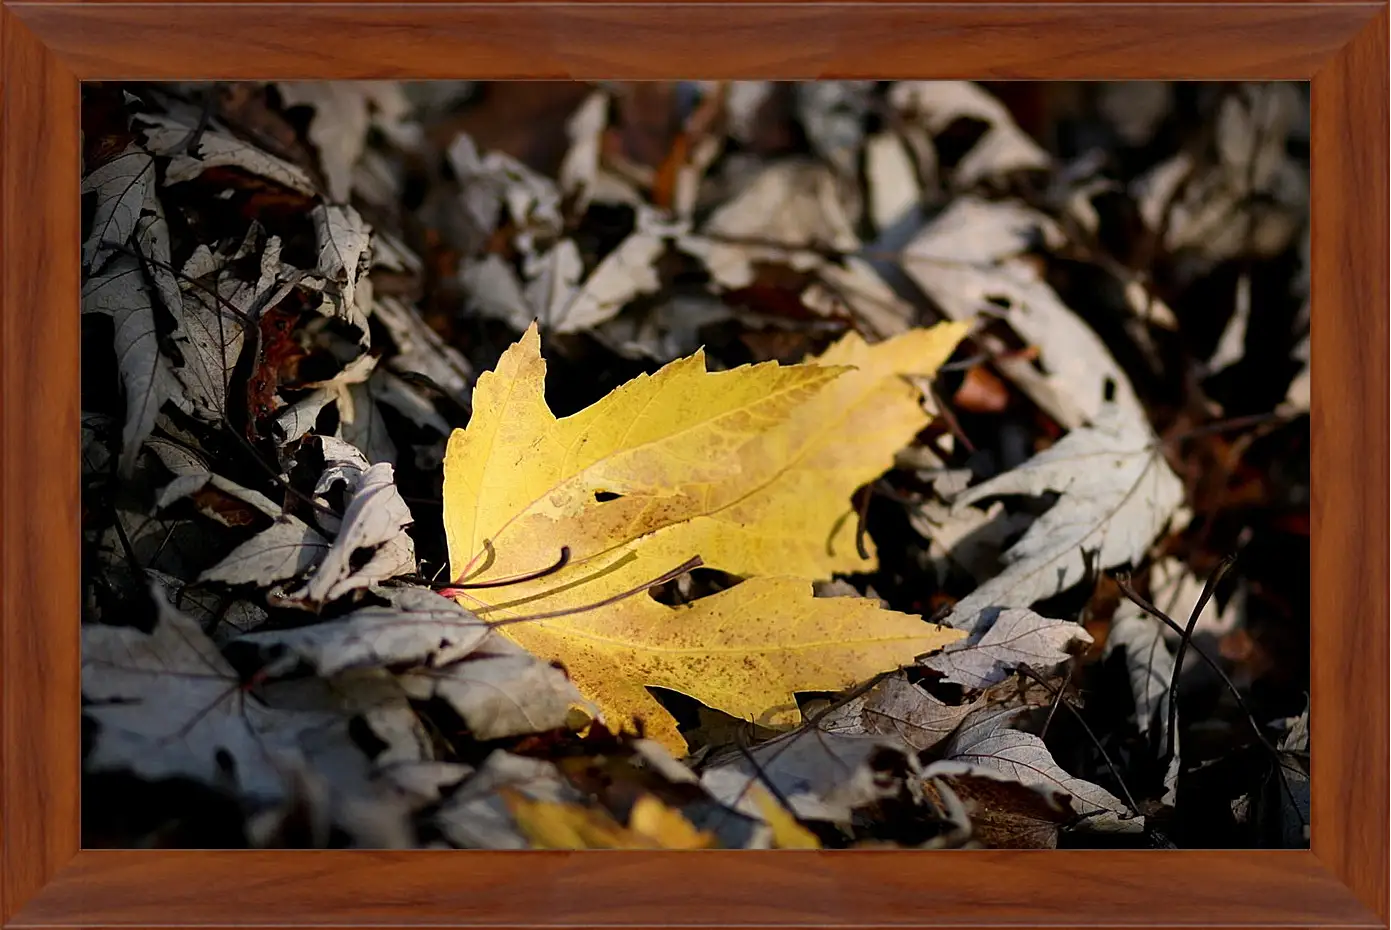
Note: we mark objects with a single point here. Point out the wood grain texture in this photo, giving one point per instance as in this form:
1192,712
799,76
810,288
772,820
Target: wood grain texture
39,227
111,41
1349,479
1341,883
704,888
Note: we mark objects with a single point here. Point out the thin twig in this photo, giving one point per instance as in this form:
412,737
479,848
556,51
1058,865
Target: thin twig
1140,601
1115,773
1057,699
1208,589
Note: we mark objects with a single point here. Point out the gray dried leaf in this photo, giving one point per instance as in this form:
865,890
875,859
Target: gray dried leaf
420,349
496,182
423,784
1002,812
899,709
1294,792
824,776
1002,149
392,391
669,330
494,290
1150,668
970,539
1117,494
476,817
287,549
790,214
361,423
985,740
168,705
212,148
343,113
299,418
344,464
147,376
833,114
416,627
566,304
1253,200
1148,663
217,308
376,820
1003,640
122,188
192,474
891,178
344,242
967,261
581,165
215,339
501,691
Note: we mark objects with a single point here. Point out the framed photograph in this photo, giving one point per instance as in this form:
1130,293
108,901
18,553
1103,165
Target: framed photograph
703,464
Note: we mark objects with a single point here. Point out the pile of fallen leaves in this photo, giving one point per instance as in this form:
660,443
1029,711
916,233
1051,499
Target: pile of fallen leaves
695,465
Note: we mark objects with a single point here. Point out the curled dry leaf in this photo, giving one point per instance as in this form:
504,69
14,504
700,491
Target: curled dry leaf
967,260
420,350
1150,667
147,375
127,259
191,475
1003,813
1294,794
344,240
375,521
344,111
1002,149
169,135
791,215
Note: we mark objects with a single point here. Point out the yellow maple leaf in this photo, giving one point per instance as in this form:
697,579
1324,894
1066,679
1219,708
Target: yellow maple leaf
752,470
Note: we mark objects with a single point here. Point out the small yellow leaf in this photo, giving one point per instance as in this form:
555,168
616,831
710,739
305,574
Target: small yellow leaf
787,832
557,825
752,470
665,827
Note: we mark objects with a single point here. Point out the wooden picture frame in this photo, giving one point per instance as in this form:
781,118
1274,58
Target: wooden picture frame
47,49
